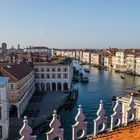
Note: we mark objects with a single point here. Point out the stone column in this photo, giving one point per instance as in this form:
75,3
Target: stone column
18,111
50,86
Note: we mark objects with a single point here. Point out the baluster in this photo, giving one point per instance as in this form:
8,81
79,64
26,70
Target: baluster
55,130
131,111
79,125
116,117
26,131
100,121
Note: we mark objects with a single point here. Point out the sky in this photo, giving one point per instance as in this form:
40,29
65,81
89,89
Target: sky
70,23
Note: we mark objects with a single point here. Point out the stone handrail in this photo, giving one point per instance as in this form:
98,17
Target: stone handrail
101,120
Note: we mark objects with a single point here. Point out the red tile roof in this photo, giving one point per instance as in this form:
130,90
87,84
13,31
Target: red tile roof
16,71
130,132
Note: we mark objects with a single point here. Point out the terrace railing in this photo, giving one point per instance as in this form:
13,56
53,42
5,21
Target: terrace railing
100,123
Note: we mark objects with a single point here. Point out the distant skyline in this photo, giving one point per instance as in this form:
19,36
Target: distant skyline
70,23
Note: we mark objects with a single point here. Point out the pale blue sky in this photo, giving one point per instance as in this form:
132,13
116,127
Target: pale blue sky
71,23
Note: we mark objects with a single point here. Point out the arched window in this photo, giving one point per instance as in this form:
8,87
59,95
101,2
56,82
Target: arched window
65,86
53,86
59,87
48,86
13,111
42,86
37,85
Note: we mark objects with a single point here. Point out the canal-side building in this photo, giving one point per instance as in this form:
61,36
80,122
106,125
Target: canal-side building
21,86
54,75
137,70
130,63
79,55
38,49
86,57
113,63
24,56
58,52
97,58
121,60
107,60
4,108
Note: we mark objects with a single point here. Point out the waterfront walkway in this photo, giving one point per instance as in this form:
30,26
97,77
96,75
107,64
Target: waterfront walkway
39,109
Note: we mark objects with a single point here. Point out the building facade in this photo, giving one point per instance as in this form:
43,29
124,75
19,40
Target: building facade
107,60
4,108
86,57
137,70
79,55
38,49
21,86
113,62
55,75
121,60
130,63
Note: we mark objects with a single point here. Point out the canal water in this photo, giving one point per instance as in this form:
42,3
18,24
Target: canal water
102,85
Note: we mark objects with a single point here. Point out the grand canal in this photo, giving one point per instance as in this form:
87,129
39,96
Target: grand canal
102,85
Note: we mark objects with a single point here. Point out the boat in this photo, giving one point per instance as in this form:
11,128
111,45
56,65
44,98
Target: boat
84,78
122,77
117,71
114,98
86,70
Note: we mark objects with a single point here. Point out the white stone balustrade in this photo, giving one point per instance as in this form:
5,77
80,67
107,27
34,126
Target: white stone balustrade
116,117
79,125
26,131
139,114
121,115
55,131
131,111
100,124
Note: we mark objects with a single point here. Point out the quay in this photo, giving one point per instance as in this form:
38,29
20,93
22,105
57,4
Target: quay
38,110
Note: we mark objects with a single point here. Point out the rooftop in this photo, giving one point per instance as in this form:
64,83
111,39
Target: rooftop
16,71
56,61
130,132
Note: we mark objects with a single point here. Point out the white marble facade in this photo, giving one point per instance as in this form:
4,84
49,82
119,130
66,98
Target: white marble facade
4,111
53,77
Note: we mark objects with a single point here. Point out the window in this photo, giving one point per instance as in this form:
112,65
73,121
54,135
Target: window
59,75
53,69
65,69
0,132
36,75
12,86
36,69
48,76
48,69
59,69
42,76
0,112
42,70
65,76
53,76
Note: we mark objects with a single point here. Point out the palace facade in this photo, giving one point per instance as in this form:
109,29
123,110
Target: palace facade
21,86
54,75
4,108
